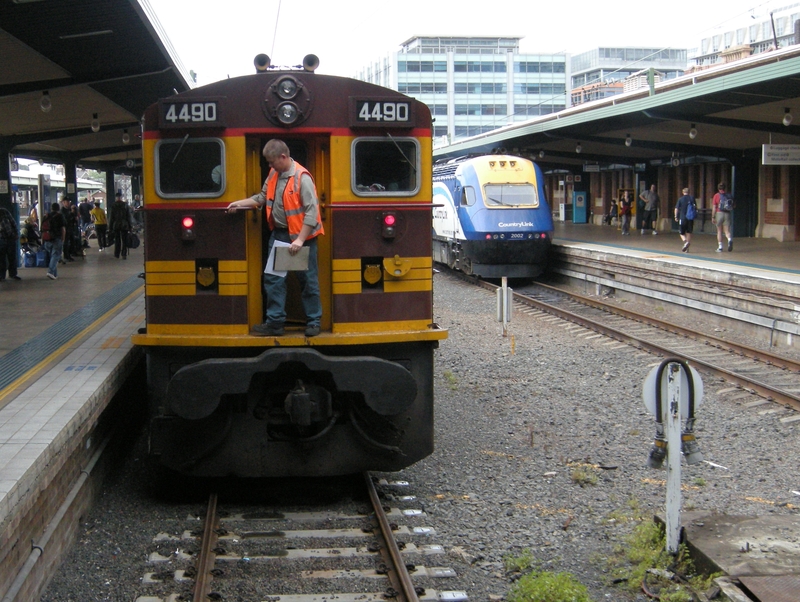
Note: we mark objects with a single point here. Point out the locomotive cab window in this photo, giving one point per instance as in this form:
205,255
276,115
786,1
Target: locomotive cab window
511,195
187,167
468,196
385,167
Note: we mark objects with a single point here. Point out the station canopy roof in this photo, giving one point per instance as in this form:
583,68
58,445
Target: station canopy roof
88,59
734,107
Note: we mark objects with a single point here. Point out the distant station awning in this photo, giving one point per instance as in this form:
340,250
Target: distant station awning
69,65
725,111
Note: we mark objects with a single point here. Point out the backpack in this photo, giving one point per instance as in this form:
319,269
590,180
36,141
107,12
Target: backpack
725,202
691,210
46,235
7,230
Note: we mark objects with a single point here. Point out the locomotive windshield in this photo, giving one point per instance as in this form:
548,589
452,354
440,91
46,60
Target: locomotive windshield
190,168
386,167
511,195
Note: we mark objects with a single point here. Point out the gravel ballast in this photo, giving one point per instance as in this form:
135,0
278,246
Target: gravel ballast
514,415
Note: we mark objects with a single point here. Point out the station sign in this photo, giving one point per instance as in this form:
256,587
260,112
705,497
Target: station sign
780,154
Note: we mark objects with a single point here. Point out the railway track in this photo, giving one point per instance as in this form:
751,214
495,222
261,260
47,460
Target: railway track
304,555
771,376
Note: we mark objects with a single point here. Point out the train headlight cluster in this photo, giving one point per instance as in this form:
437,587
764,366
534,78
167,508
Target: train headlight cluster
288,101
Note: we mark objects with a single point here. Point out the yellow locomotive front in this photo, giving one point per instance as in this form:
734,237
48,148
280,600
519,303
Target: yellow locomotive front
359,396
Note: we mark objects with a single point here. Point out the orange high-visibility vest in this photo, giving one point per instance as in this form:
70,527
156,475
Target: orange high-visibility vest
292,202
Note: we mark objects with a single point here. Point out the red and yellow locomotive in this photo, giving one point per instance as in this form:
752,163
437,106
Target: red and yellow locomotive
359,396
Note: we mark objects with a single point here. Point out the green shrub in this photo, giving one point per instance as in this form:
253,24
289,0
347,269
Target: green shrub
548,587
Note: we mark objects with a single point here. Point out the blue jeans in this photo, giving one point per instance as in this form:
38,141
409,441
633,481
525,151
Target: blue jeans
54,247
275,286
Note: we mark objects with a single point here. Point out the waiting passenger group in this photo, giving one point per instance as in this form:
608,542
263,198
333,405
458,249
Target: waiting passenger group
63,234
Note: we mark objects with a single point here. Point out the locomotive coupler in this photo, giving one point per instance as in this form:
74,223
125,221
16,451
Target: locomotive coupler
306,405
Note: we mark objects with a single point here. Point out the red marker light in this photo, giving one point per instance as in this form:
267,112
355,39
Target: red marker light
389,222
187,227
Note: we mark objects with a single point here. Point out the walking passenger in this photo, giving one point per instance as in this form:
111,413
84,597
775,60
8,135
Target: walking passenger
120,226
650,213
723,217
100,225
54,232
625,204
685,212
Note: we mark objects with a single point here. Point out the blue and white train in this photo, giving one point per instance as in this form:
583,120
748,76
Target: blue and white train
490,216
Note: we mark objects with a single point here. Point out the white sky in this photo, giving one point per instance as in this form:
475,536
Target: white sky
220,38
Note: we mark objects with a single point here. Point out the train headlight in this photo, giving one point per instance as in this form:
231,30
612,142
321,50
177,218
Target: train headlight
287,88
187,227
287,113
389,224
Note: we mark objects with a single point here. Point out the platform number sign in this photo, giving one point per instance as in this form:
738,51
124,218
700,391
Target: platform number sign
190,113
381,112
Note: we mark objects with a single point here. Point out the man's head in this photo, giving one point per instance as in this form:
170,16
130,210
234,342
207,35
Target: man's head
119,196
277,155
652,187
685,191
97,204
721,187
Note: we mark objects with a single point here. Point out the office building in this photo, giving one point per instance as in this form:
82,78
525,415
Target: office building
607,71
752,33
473,84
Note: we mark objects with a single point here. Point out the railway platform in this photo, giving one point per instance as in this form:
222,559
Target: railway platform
760,257
65,351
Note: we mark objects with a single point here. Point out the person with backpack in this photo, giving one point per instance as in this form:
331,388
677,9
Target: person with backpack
685,212
723,217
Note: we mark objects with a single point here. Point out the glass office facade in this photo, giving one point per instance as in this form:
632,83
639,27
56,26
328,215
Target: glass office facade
474,84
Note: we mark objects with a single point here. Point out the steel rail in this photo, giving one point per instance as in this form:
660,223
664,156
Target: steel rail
400,569
751,352
763,389
206,556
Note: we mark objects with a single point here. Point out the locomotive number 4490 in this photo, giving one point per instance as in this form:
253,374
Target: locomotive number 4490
383,111
191,111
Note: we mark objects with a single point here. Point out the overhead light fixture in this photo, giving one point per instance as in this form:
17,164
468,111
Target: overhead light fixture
95,123
45,104
628,140
126,138
541,154
578,148
86,34
787,117
693,132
